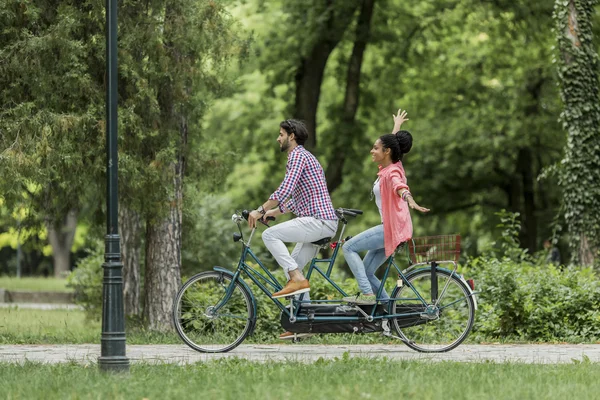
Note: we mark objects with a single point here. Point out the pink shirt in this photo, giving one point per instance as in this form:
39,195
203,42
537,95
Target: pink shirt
397,225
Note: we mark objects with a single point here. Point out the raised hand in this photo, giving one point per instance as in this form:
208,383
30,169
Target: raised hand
399,119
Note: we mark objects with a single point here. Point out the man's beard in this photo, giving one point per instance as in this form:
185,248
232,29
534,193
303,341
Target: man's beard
285,145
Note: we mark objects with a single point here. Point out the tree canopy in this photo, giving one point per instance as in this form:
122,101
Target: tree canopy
204,84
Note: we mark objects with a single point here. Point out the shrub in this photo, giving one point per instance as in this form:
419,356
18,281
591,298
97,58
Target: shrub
522,300
86,280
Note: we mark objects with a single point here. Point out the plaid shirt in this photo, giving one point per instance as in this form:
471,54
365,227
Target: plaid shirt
305,182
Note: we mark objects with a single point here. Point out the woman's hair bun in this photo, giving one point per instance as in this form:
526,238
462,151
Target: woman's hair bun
404,140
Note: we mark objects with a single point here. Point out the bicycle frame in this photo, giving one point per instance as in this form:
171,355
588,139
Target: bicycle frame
268,284
269,280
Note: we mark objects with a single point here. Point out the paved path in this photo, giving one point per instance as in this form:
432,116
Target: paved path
42,306
181,354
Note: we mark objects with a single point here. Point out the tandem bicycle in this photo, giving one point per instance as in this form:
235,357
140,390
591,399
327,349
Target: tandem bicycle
431,307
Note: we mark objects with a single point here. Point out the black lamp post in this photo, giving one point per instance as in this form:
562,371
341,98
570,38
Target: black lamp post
112,353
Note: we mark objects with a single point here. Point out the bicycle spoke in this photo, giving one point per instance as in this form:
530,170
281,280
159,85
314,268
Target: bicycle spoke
440,326
204,327
465,299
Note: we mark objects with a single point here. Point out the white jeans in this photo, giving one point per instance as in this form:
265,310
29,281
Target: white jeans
301,230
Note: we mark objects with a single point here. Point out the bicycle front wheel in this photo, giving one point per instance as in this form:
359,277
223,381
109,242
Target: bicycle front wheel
206,320
440,323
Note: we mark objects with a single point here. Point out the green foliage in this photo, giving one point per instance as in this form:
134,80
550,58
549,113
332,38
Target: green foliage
477,80
86,281
509,241
520,300
525,297
171,60
171,73
50,108
207,238
579,177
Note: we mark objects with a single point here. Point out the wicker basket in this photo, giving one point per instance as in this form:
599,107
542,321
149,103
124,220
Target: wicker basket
434,248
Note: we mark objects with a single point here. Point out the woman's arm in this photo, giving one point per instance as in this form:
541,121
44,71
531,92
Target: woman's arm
407,196
399,120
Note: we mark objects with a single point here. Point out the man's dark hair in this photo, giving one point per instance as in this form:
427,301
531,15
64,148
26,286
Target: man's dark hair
297,128
399,143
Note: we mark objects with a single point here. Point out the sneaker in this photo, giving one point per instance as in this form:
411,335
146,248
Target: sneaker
292,288
290,335
361,299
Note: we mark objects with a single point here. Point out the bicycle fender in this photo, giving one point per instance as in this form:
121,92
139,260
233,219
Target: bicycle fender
245,285
462,279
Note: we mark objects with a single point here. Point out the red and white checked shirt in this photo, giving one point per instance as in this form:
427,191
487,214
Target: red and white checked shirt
305,182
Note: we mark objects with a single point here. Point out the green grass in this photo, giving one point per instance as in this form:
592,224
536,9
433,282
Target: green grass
346,378
34,284
27,326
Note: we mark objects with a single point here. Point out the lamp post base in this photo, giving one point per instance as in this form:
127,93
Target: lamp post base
114,364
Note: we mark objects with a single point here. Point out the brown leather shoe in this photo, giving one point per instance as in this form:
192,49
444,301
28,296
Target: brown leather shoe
292,288
290,335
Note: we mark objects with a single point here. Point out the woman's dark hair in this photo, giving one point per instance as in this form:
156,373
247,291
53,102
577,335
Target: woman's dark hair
297,128
399,143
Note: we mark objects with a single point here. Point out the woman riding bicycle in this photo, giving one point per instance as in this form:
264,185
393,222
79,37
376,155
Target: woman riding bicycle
393,198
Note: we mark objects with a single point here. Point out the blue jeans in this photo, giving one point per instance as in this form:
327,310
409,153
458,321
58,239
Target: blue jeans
364,270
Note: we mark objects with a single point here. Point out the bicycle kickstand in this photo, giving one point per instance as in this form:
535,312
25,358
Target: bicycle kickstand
387,332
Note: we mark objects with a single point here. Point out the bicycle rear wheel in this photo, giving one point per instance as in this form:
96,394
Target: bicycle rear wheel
201,325
439,326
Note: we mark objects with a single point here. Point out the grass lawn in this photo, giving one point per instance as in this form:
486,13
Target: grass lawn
27,326
346,378
34,284
30,326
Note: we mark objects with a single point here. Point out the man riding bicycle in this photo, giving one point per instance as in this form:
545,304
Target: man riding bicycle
303,191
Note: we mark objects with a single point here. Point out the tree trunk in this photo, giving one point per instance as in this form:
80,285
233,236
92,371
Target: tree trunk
309,75
577,69
163,249
130,227
163,263
351,99
525,160
61,236
513,195
586,252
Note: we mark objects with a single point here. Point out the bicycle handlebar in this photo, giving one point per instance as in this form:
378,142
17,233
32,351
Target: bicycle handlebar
354,210
351,212
238,218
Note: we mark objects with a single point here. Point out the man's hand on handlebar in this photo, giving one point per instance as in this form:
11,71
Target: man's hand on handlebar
272,214
255,216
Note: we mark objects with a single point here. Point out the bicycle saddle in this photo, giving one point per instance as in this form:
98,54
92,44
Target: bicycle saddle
322,242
